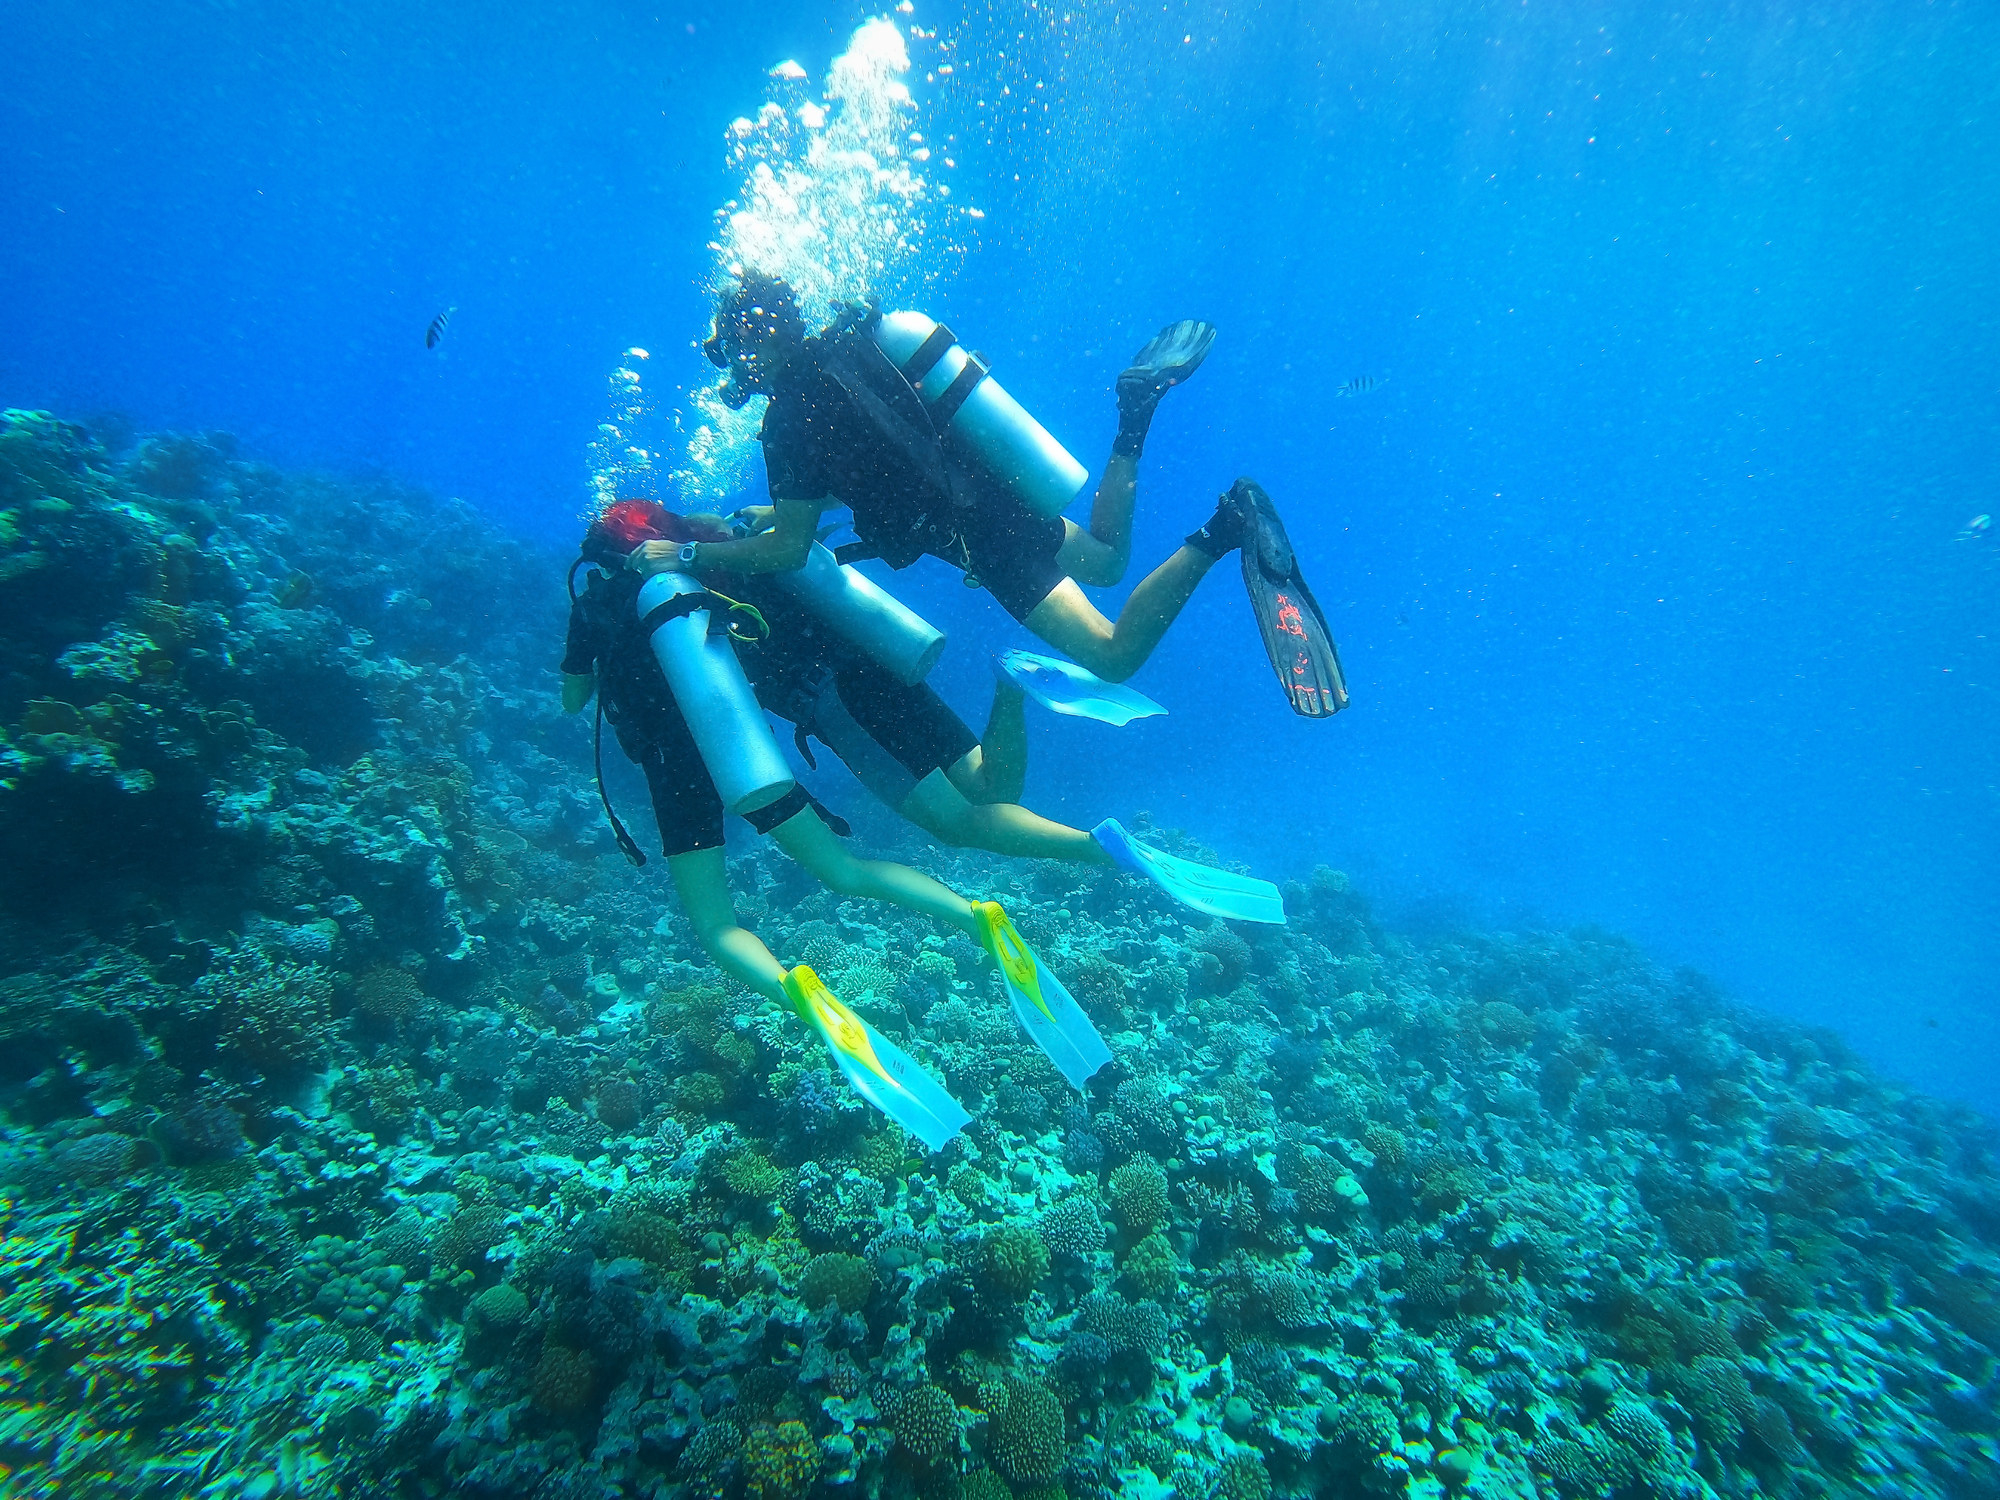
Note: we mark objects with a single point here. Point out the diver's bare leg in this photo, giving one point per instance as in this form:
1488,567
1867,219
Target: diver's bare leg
702,880
1100,556
1114,651
936,805
996,769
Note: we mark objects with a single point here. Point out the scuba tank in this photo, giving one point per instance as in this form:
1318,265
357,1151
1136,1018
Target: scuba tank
722,713
866,614
965,401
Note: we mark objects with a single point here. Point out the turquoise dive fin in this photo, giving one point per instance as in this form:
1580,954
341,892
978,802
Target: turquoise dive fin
1220,893
881,1072
1046,1010
1065,688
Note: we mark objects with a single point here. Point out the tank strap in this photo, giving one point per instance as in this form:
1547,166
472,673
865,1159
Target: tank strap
946,406
929,352
723,610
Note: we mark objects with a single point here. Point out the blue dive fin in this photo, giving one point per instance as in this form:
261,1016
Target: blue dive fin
1046,1011
1065,688
1220,893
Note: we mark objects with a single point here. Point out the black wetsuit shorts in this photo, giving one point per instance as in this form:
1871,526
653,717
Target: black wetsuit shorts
1011,550
890,736
689,809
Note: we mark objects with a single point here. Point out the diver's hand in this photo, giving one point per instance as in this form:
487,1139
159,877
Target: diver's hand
752,519
654,557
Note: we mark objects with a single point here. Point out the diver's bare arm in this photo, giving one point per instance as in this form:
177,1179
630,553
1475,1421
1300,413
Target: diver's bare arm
576,691
782,549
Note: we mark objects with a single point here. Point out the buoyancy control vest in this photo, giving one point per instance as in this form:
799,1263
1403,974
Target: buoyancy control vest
945,422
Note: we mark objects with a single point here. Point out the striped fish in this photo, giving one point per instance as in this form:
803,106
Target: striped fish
436,331
1360,385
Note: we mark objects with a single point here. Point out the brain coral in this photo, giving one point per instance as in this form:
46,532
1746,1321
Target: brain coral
926,1421
1139,1194
837,1277
1014,1260
1024,1435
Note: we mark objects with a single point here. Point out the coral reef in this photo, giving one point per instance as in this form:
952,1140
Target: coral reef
369,1128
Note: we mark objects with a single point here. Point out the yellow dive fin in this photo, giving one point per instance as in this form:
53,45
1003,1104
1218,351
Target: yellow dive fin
1052,1019
880,1072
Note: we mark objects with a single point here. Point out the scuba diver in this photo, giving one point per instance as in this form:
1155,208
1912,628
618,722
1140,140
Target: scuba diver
660,662
887,415
900,739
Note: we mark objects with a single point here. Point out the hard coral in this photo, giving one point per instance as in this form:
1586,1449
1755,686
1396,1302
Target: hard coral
1139,1194
1242,1476
1024,1430
564,1380
1014,1260
780,1463
1071,1227
926,1421
1151,1267
837,1277
386,994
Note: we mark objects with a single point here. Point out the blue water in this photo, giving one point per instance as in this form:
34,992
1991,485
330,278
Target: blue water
1641,556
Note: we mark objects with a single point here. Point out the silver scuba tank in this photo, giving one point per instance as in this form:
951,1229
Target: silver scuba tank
866,614
967,401
715,698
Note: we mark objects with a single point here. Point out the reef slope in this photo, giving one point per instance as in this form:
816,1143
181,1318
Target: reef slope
371,1128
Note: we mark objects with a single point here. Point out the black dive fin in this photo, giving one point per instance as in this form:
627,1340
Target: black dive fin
1295,633
1176,351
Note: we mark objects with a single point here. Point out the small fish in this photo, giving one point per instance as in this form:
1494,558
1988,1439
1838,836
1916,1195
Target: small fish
296,593
1360,385
1976,528
436,331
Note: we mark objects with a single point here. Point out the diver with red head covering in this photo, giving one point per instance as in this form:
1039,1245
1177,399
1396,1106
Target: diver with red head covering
660,656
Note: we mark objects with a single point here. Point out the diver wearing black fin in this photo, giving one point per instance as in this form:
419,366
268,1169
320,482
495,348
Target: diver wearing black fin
846,427
1296,637
1170,357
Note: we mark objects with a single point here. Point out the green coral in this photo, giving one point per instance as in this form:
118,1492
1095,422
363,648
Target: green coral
926,1421
749,1174
1024,1430
780,1463
1151,1266
837,1277
1014,1260
1139,1194
1242,1476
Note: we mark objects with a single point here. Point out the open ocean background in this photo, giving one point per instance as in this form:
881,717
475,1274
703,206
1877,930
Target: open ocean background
1641,557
